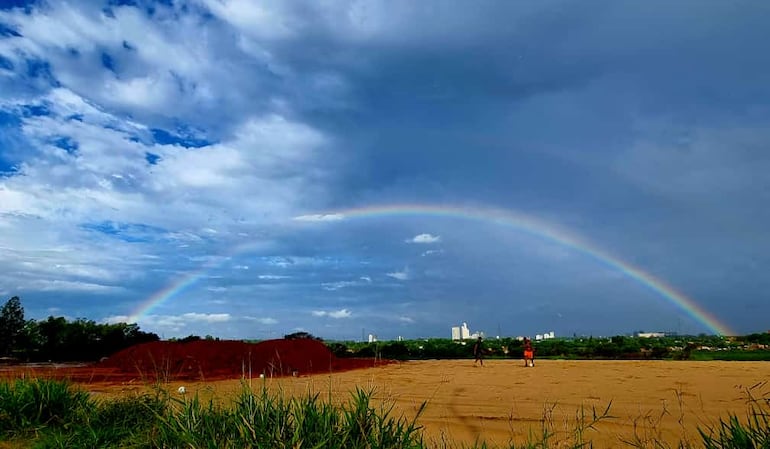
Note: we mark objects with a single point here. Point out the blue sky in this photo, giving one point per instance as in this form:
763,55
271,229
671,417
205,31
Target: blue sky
143,144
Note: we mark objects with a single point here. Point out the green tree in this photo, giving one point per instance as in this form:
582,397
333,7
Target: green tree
30,341
395,350
301,336
759,338
52,332
11,325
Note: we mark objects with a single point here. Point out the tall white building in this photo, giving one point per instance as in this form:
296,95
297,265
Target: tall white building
651,334
463,333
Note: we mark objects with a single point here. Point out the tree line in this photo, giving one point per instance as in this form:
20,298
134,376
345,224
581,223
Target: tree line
57,339
690,347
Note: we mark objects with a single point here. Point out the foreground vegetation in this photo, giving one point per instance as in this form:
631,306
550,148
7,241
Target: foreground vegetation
51,414
42,413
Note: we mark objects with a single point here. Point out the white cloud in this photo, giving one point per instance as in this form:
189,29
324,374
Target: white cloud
54,285
272,277
181,323
320,217
400,275
110,182
175,75
161,64
281,262
297,261
207,317
342,313
166,68
378,23
114,319
425,238
406,319
259,20
431,252
263,320
332,286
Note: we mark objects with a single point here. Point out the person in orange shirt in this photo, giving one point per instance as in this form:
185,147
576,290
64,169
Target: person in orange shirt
529,353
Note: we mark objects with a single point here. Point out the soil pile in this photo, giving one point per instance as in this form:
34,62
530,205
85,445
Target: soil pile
207,359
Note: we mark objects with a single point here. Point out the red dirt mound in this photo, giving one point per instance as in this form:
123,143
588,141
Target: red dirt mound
207,359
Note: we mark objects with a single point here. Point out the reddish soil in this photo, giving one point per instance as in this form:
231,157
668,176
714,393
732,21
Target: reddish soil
204,360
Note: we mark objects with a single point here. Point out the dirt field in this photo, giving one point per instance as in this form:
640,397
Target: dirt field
664,400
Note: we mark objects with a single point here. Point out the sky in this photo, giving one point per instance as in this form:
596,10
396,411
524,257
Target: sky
248,169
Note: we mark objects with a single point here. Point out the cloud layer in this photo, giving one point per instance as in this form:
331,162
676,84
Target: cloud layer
211,148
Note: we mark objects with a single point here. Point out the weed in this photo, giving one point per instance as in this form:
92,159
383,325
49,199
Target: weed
752,433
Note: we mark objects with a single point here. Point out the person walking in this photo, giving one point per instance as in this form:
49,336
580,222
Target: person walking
478,352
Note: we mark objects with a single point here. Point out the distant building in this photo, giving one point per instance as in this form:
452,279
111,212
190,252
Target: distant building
464,333
650,334
372,338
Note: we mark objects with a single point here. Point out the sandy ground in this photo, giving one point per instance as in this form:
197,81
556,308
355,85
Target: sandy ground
504,401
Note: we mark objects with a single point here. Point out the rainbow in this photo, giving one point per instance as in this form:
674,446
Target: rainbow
183,282
503,217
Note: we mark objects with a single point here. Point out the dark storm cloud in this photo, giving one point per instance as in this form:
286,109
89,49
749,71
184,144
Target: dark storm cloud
637,125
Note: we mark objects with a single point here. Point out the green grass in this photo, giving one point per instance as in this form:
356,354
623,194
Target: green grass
273,421
759,355
734,433
40,413
50,413
27,405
